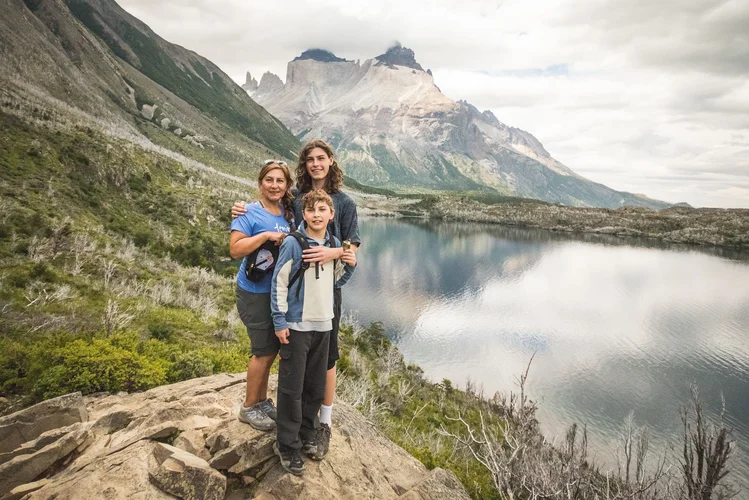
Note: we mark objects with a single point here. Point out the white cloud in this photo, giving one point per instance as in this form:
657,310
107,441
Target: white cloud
631,94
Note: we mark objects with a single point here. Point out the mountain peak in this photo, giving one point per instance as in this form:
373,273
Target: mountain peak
320,55
398,55
269,82
250,84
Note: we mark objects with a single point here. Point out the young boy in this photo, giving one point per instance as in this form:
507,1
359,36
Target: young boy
302,309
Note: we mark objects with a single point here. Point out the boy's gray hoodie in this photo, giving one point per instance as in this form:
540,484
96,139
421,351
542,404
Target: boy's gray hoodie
315,302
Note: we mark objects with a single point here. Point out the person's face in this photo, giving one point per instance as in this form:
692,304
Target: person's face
318,163
318,216
273,186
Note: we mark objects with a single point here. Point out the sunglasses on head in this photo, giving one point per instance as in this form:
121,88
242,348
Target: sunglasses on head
280,163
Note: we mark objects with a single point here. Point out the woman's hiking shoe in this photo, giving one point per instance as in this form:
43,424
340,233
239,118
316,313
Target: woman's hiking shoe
322,442
269,408
256,417
291,460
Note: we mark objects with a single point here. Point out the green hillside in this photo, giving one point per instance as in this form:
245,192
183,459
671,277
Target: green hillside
115,271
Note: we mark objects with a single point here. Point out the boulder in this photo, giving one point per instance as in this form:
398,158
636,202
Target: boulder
193,441
119,457
184,475
39,443
237,447
120,476
30,423
148,111
20,492
26,468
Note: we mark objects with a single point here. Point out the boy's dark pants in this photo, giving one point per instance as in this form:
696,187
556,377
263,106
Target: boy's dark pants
301,386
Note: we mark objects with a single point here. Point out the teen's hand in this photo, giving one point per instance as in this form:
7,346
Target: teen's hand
349,257
283,335
321,254
276,238
238,209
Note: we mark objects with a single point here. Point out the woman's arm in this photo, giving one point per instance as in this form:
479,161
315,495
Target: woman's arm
240,244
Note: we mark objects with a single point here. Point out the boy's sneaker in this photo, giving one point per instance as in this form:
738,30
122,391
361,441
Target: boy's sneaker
256,417
291,460
309,446
322,441
269,408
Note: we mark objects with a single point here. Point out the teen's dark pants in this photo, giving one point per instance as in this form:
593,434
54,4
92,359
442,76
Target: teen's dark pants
301,386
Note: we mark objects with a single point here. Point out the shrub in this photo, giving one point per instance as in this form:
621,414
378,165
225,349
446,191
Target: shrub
94,367
190,365
160,331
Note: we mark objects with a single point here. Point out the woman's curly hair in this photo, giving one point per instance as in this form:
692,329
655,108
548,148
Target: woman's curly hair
333,181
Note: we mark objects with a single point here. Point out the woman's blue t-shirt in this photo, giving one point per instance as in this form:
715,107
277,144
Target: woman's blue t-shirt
257,220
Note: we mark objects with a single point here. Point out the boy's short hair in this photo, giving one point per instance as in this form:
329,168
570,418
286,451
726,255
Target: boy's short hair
315,196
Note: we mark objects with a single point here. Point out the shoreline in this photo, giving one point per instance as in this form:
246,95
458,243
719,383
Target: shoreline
703,227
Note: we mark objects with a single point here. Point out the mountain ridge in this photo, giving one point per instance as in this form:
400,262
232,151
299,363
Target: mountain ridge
393,127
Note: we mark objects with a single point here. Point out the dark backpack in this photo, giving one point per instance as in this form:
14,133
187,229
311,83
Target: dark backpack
297,278
254,269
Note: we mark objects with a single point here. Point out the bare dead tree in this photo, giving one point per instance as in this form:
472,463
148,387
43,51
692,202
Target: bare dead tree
707,450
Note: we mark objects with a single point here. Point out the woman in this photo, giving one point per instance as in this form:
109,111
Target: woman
254,236
318,169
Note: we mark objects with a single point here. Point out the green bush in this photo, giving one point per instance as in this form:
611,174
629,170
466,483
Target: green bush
233,359
94,367
160,331
190,365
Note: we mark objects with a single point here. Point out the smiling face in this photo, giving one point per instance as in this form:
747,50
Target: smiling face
317,218
318,164
273,185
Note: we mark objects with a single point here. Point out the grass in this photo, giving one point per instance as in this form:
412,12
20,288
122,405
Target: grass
114,266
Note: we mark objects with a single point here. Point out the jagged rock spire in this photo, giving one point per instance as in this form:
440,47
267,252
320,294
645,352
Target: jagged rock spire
397,55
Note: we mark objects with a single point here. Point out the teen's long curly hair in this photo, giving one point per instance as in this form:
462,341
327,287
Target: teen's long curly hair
333,181
287,200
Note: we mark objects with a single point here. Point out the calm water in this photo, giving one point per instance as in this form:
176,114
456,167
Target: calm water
617,326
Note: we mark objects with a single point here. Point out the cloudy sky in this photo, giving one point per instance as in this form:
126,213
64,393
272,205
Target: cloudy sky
644,96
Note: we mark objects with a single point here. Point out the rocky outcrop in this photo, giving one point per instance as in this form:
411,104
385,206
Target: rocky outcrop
27,425
398,55
319,55
269,83
184,475
250,84
184,440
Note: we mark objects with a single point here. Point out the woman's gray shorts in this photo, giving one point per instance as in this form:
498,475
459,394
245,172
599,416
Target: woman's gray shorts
254,309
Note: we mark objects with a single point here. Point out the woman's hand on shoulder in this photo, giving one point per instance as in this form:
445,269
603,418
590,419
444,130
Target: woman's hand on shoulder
321,254
238,209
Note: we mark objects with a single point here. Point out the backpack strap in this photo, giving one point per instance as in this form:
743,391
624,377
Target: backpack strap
299,237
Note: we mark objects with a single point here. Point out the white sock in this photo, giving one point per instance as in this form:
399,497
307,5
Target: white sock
325,415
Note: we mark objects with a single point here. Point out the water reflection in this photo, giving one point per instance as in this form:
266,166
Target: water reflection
617,326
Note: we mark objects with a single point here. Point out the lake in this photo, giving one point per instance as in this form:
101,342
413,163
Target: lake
617,326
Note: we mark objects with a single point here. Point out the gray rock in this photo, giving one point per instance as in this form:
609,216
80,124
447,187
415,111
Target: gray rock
127,438
29,423
178,131
39,443
193,441
165,123
120,476
237,447
19,492
184,475
26,468
148,111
